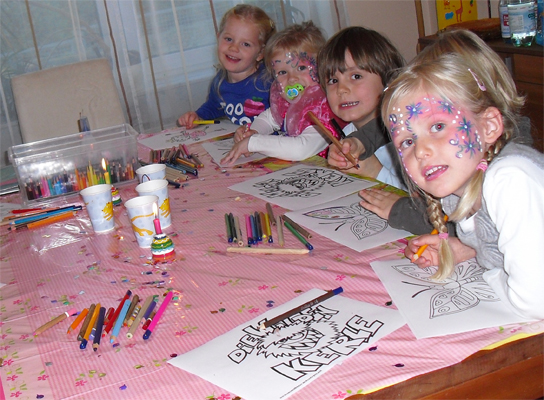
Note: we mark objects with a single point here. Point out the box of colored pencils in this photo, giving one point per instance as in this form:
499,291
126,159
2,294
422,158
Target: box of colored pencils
62,166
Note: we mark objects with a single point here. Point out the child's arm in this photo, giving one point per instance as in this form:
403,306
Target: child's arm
291,148
513,192
371,137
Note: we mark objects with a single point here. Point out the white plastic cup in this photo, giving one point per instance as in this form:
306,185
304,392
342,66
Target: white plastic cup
159,188
140,213
99,206
151,172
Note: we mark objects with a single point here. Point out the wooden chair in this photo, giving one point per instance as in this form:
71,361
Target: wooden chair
49,102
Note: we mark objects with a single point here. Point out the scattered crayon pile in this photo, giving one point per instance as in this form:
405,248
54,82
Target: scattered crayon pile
97,322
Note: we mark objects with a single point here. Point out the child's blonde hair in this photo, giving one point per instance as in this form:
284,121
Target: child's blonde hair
370,50
300,38
462,69
249,13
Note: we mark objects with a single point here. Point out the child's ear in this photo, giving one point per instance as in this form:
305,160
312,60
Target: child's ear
492,125
260,56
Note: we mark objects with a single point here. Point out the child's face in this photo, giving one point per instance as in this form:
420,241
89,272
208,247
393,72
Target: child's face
354,95
294,72
238,49
438,142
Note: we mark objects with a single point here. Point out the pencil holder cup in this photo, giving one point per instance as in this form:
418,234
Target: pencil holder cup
141,215
159,188
99,206
151,172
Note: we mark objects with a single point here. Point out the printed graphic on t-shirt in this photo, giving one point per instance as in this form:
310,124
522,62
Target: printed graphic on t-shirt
243,113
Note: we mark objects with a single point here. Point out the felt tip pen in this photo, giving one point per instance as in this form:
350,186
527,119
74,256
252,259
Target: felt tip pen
206,122
298,236
99,327
296,310
158,316
148,321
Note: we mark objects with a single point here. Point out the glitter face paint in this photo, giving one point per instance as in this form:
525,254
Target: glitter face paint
437,141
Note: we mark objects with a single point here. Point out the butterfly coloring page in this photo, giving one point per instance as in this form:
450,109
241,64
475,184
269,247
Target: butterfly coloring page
460,303
346,222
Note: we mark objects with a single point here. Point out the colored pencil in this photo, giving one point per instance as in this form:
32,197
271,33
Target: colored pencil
422,248
116,314
270,213
279,227
332,138
54,321
298,235
297,227
78,320
98,328
86,323
238,231
265,250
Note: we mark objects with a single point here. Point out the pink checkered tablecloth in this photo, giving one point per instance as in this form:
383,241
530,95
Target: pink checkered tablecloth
51,269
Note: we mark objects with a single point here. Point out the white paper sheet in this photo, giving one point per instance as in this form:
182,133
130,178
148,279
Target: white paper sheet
464,302
175,137
220,148
263,365
346,222
302,186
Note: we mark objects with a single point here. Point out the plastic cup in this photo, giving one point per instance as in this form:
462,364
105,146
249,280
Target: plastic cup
151,172
159,188
99,206
140,213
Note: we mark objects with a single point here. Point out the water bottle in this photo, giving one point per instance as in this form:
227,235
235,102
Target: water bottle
503,18
539,22
522,22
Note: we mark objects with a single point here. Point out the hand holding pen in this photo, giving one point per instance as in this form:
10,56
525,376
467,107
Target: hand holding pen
243,132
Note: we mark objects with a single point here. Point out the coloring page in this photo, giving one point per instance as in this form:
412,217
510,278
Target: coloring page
177,136
302,186
220,148
346,222
461,303
272,364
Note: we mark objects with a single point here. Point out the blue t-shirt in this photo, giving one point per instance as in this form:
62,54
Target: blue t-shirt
241,102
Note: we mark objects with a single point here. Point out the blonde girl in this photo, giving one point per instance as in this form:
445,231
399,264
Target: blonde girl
290,57
240,89
452,120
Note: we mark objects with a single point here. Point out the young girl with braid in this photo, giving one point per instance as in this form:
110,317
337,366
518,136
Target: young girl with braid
452,121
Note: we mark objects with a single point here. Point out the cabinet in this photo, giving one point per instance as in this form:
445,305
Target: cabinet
527,69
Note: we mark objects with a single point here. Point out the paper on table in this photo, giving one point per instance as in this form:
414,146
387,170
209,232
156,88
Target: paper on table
346,222
220,148
175,137
464,302
309,344
302,186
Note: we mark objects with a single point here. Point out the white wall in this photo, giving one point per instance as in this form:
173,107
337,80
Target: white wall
396,19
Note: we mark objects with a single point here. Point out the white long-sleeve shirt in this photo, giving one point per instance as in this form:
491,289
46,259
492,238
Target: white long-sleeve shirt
291,148
513,192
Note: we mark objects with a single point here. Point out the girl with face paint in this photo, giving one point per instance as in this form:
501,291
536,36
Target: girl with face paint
284,131
452,120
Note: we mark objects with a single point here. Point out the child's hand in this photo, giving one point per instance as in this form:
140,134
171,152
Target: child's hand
429,256
187,119
461,252
378,201
349,145
242,133
237,150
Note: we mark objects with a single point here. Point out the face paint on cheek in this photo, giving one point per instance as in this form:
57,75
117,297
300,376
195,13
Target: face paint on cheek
467,140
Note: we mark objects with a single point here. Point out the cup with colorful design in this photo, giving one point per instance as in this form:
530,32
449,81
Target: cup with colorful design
159,188
151,172
98,202
141,215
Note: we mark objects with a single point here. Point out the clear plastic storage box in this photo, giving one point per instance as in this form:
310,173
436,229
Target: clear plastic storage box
48,169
